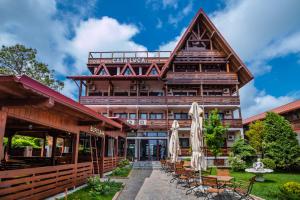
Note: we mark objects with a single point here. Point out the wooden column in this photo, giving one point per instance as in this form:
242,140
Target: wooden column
53,149
75,156
3,118
200,67
43,147
125,146
227,67
103,155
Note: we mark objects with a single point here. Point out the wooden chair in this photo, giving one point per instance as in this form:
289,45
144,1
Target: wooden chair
243,189
223,172
211,187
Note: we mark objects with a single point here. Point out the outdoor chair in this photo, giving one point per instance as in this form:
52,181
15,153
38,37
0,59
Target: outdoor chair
211,187
223,172
243,189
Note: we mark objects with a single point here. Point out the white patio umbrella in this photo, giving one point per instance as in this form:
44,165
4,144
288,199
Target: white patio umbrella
198,161
174,147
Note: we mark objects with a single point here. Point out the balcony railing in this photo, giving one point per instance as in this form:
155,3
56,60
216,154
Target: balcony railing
186,152
159,100
183,123
202,77
128,56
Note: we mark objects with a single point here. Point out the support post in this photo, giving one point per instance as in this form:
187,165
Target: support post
3,118
75,156
102,156
53,149
125,146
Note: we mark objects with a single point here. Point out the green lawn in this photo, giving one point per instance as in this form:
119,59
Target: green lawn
84,194
269,188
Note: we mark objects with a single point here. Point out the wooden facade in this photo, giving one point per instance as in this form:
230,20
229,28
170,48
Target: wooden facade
151,89
64,127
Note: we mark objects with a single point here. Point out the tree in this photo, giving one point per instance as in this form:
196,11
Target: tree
19,60
255,135
279,141
214,133
244,150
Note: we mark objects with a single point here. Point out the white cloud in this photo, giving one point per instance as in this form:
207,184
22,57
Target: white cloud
254,101
159,24
169,46
35,24
174,19
105,34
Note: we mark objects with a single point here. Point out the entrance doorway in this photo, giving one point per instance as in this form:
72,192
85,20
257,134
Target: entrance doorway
153,149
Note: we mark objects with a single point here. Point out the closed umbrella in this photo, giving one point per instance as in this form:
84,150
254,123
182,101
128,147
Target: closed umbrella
174,142
198,161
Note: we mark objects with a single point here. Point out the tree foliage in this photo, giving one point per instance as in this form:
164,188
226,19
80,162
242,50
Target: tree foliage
19,141
19,60
244,150
214,133
279,142
255,135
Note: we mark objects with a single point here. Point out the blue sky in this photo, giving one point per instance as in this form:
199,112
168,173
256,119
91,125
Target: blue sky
266,35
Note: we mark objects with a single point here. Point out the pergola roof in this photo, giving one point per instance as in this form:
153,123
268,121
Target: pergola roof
279,110
22,90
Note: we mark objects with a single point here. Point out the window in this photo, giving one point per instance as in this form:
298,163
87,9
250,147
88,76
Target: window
102,72
121,115
162,134
221,115
156,115
153,71
156,93
132,116
181,116
184,142
143,115
128,72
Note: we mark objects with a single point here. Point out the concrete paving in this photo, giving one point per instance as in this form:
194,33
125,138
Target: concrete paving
152,184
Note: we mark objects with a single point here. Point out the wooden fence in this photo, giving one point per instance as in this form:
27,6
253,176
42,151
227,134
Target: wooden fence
42,182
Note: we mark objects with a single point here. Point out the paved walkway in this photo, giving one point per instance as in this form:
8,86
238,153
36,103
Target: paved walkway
148,184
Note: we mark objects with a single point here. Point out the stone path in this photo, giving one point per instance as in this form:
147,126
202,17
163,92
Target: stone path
152,184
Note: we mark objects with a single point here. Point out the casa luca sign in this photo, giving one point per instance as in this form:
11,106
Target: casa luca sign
96,131
130,60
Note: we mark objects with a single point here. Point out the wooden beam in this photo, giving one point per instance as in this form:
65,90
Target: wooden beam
10,91
3,118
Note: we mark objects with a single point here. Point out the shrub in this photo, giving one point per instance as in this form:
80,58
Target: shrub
244,150
187,159
123,163
290,191
103,188
268,163
236,163
121,171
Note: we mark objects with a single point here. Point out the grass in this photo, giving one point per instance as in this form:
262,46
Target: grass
268,189
84,193
121,171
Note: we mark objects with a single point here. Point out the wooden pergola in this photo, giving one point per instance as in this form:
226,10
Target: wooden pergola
72,140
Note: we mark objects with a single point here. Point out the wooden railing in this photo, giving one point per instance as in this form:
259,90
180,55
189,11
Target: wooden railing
186,152
128,56
183,123
159,100
42,182
110,163
202,77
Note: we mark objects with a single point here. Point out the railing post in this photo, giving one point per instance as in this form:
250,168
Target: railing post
3,117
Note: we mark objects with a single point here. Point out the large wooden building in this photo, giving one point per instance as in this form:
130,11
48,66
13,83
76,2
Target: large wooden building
72,141
151,89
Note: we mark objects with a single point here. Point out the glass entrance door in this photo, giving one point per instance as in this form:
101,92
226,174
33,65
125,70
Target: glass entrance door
153,149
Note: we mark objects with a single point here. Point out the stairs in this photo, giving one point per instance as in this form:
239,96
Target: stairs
146,165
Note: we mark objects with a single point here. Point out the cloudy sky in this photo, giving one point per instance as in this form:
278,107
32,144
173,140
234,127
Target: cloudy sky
266,35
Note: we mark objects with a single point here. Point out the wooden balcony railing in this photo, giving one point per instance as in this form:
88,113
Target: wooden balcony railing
186,152
42,182
202,77
159,100
138,57
183,123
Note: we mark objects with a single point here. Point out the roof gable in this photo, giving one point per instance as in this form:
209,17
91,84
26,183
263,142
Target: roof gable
201,36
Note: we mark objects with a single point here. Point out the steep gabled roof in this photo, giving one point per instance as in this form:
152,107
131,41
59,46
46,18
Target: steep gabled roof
244,74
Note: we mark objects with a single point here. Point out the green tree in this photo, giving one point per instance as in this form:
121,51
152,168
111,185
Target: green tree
255,135
19,60
241,148
214,133
279,142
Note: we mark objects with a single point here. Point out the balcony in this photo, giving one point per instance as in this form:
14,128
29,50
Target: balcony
202,78
138,57
183,123
159,100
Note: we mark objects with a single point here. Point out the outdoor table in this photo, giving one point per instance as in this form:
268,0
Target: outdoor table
222,178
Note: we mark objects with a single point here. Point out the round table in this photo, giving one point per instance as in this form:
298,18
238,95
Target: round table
259,173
